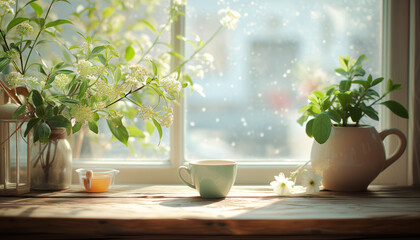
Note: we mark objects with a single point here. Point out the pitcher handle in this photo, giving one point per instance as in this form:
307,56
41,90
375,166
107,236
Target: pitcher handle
401,148
184,168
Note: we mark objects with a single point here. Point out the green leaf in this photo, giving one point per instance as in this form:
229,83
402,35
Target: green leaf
37,98
4,63
302,119
377,81
309,127
360,59
159,128
93,126
334,115
129,53
135,132
30,125
318,93
149,25
150,128
43,131
345,85
343,63
396,108
332,91
359,72
155,69
57,22
19,111
118,130
364,83
370,112
175,54
108,11
321,128
82,91
304,108
37,9
344,99
15,22
77,126
356,114
341,71
371,92
98,49
101,59
59,121
117,74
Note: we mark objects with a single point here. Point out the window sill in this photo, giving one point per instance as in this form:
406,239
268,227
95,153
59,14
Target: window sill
168,210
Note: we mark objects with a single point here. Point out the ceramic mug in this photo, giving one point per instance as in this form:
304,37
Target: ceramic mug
211,178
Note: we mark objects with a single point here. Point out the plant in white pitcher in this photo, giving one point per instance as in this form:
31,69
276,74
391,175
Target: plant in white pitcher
345,153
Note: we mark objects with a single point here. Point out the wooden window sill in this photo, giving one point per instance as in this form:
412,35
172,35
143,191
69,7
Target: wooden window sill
176,211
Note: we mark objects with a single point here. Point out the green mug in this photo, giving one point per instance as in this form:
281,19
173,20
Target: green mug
211,178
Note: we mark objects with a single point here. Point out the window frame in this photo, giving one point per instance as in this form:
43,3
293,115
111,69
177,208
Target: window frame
393,47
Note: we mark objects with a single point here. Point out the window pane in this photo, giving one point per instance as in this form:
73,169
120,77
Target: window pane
265,68
120,22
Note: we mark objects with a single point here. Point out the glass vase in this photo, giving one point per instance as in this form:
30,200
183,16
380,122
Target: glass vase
52,162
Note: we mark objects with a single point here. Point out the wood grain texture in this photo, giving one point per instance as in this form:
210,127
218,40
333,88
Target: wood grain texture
175,212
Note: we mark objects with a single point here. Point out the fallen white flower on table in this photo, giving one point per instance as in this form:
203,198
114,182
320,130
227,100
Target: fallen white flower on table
282,185
311,181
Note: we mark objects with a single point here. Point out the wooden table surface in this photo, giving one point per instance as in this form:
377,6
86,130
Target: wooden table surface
177,212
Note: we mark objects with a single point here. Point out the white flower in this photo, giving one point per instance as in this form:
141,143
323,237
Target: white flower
230,19
82,113
33,82
311,181
61,81
6,4
167,119
146,112
282,186
15,79
170,84
24,28
108,91
138,74
84,68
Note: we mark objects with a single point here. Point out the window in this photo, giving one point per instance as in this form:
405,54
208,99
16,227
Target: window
260,77
265,69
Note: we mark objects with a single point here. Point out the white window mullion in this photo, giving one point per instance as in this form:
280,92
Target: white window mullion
176,155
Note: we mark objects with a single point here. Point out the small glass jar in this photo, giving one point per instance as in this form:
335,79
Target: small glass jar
52,162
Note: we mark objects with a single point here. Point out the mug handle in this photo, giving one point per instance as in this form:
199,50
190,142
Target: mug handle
184,168
401,148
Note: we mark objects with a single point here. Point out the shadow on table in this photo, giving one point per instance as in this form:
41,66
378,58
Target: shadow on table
190,202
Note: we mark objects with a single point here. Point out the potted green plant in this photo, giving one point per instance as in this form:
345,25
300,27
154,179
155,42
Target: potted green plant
98,76
347,154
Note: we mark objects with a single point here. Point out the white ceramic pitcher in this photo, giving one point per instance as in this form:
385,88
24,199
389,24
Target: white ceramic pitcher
353,156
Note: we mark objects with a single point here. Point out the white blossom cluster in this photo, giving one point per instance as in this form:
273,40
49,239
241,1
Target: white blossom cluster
138,74
5,4
16,79
110,91
230,19
170,84
146,112
82,113
166,119
87,70
61,81
24,28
